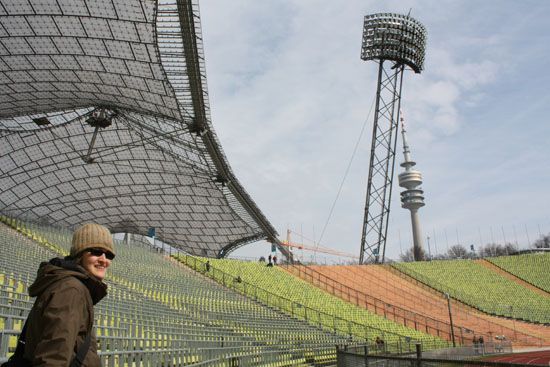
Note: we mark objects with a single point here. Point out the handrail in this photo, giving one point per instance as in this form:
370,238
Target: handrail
466,298
297,310
432,283
376,276
380,307
521,277
412,275
404,293
421,280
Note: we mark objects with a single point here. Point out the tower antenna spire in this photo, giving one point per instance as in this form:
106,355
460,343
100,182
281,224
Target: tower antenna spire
412,198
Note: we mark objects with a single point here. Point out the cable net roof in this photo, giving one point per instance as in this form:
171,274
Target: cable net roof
139,65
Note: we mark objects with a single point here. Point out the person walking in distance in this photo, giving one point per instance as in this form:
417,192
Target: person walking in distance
59,328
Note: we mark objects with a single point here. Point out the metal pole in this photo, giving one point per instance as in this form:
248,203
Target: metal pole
87,157
418,354
451,318
513,321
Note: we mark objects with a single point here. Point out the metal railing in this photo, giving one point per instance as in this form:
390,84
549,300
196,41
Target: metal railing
329,322
472,300
463,335
400,315
471,312
368,355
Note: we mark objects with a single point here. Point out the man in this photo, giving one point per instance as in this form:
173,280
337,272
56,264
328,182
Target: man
66,289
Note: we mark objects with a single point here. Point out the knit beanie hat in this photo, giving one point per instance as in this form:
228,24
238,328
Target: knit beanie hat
91,235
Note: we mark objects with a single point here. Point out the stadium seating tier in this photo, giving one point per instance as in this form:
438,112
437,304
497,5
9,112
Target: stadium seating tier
482,288
159,312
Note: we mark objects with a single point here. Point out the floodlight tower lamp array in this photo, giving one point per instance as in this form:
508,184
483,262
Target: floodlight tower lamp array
395,41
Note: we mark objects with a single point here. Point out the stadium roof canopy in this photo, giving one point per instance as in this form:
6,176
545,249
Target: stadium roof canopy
104,117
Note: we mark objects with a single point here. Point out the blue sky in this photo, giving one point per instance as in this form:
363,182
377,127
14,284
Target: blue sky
289,96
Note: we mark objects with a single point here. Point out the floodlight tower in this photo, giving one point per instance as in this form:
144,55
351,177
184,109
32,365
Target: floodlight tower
394,41
412,198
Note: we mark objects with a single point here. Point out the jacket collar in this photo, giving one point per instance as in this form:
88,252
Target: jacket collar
57,269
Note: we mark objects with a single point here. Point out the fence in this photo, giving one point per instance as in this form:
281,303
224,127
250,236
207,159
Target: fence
453,357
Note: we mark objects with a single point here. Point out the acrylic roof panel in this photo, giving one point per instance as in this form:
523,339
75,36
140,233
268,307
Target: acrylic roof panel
158,164
57,60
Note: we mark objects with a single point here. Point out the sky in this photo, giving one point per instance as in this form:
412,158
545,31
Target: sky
289,97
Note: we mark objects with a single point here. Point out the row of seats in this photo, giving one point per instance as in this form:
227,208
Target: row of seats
159,312
533,268
482,288
302,300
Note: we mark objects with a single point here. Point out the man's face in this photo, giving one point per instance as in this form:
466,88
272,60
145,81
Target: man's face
95,262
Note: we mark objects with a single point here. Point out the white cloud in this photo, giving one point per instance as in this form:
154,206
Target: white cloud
289,96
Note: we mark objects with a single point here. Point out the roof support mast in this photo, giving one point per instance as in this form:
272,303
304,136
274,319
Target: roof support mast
200,126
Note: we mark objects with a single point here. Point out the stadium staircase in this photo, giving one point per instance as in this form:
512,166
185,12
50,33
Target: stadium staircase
481,288
531,268
158,313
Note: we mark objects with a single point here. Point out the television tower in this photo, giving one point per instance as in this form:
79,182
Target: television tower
394,41
412,197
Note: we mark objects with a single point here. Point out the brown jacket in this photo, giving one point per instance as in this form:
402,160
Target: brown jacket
62,314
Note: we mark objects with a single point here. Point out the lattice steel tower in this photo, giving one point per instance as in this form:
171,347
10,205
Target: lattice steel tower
394,41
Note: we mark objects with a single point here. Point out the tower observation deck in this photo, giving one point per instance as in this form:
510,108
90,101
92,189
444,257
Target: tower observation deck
412,198
395,42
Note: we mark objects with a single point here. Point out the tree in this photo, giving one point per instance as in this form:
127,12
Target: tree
458,252
490,249
510,248
408,256
543,242
494,249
